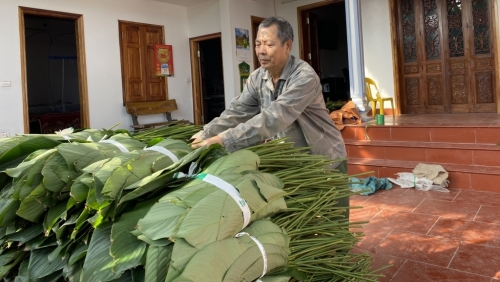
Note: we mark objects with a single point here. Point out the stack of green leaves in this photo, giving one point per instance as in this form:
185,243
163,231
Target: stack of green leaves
85,210
200,212
74,188
232,259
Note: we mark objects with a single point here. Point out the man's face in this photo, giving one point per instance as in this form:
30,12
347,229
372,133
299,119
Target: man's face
271,53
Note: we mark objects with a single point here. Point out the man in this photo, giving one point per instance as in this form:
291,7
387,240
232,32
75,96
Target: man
283,98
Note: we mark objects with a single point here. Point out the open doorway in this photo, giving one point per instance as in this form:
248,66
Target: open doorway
323,38
54,88
208,78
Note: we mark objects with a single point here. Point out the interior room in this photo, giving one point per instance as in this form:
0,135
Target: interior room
52,74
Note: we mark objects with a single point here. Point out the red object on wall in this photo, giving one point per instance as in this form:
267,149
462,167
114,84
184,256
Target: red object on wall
164,60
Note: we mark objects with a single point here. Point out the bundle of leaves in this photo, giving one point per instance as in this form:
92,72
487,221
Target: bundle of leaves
238,259
52,201
100,207
201,212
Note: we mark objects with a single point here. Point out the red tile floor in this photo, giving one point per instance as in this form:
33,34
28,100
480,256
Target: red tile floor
431,236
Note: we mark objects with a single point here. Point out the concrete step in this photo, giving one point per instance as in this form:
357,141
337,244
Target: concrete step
426,152
424,133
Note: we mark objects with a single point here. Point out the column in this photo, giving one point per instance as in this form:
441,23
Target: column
355,51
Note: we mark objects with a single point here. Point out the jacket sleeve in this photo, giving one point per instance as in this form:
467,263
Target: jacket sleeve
241,109
299,91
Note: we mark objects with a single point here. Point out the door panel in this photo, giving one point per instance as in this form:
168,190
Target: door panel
449,64
155,84
140,82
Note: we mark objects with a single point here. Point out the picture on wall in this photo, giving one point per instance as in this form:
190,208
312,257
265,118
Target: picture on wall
243,52
164,62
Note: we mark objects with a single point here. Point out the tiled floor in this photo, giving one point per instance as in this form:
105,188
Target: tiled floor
432,236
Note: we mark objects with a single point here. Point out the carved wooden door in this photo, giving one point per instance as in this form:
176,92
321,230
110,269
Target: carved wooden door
448,59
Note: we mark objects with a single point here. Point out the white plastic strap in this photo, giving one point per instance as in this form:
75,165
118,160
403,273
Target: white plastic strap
262,251
231,191
181,174
164,151
117,144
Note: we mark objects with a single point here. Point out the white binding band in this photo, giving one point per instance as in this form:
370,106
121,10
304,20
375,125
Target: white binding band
262,251
117,144
164,151
231,191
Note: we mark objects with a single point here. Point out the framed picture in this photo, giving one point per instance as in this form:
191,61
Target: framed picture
164,60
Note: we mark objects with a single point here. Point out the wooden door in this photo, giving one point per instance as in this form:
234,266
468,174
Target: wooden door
255,28
447,54
310,34
140,82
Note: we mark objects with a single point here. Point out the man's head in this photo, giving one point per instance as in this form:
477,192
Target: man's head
274,44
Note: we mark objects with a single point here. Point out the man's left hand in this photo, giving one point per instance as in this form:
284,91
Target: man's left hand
208,142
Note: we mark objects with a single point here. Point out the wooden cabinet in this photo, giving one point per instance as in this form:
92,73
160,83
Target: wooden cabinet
137,58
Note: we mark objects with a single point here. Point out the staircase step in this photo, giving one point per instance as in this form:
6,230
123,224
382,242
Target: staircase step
475,177
426,152
425,133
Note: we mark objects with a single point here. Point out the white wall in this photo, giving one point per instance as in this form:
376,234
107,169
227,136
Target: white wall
377,44
289,12
102,56
238,16
204,18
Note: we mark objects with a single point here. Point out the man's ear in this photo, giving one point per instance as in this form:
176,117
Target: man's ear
288,46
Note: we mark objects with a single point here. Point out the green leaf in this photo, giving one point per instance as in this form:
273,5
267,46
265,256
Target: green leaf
8,208
32,178
16,149
73,272
83,154
59,252
157,263
181,254
36,242
54,215
25,235
78,253
80,188
14,258
161,177
130,172
55,173
239,259
99,264
23,275
9,256
29,162
80,222
126,249
33,207
40,266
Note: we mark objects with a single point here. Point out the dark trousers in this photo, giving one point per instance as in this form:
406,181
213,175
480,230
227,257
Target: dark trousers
344,202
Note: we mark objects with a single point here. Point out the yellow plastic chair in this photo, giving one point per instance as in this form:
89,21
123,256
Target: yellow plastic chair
370,84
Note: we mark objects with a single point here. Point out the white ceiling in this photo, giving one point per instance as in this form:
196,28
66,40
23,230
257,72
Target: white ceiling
193,2
183,2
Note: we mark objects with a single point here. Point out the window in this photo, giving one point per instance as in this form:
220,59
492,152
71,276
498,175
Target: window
139,80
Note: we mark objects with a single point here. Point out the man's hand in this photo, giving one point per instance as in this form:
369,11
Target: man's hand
210,141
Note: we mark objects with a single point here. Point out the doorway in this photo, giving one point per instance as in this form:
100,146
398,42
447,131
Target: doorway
447,56
208,78
53,71
323,42
255,29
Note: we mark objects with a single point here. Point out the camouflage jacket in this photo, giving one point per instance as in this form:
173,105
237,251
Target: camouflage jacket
295,109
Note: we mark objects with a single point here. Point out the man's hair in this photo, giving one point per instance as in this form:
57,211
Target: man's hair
285,30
